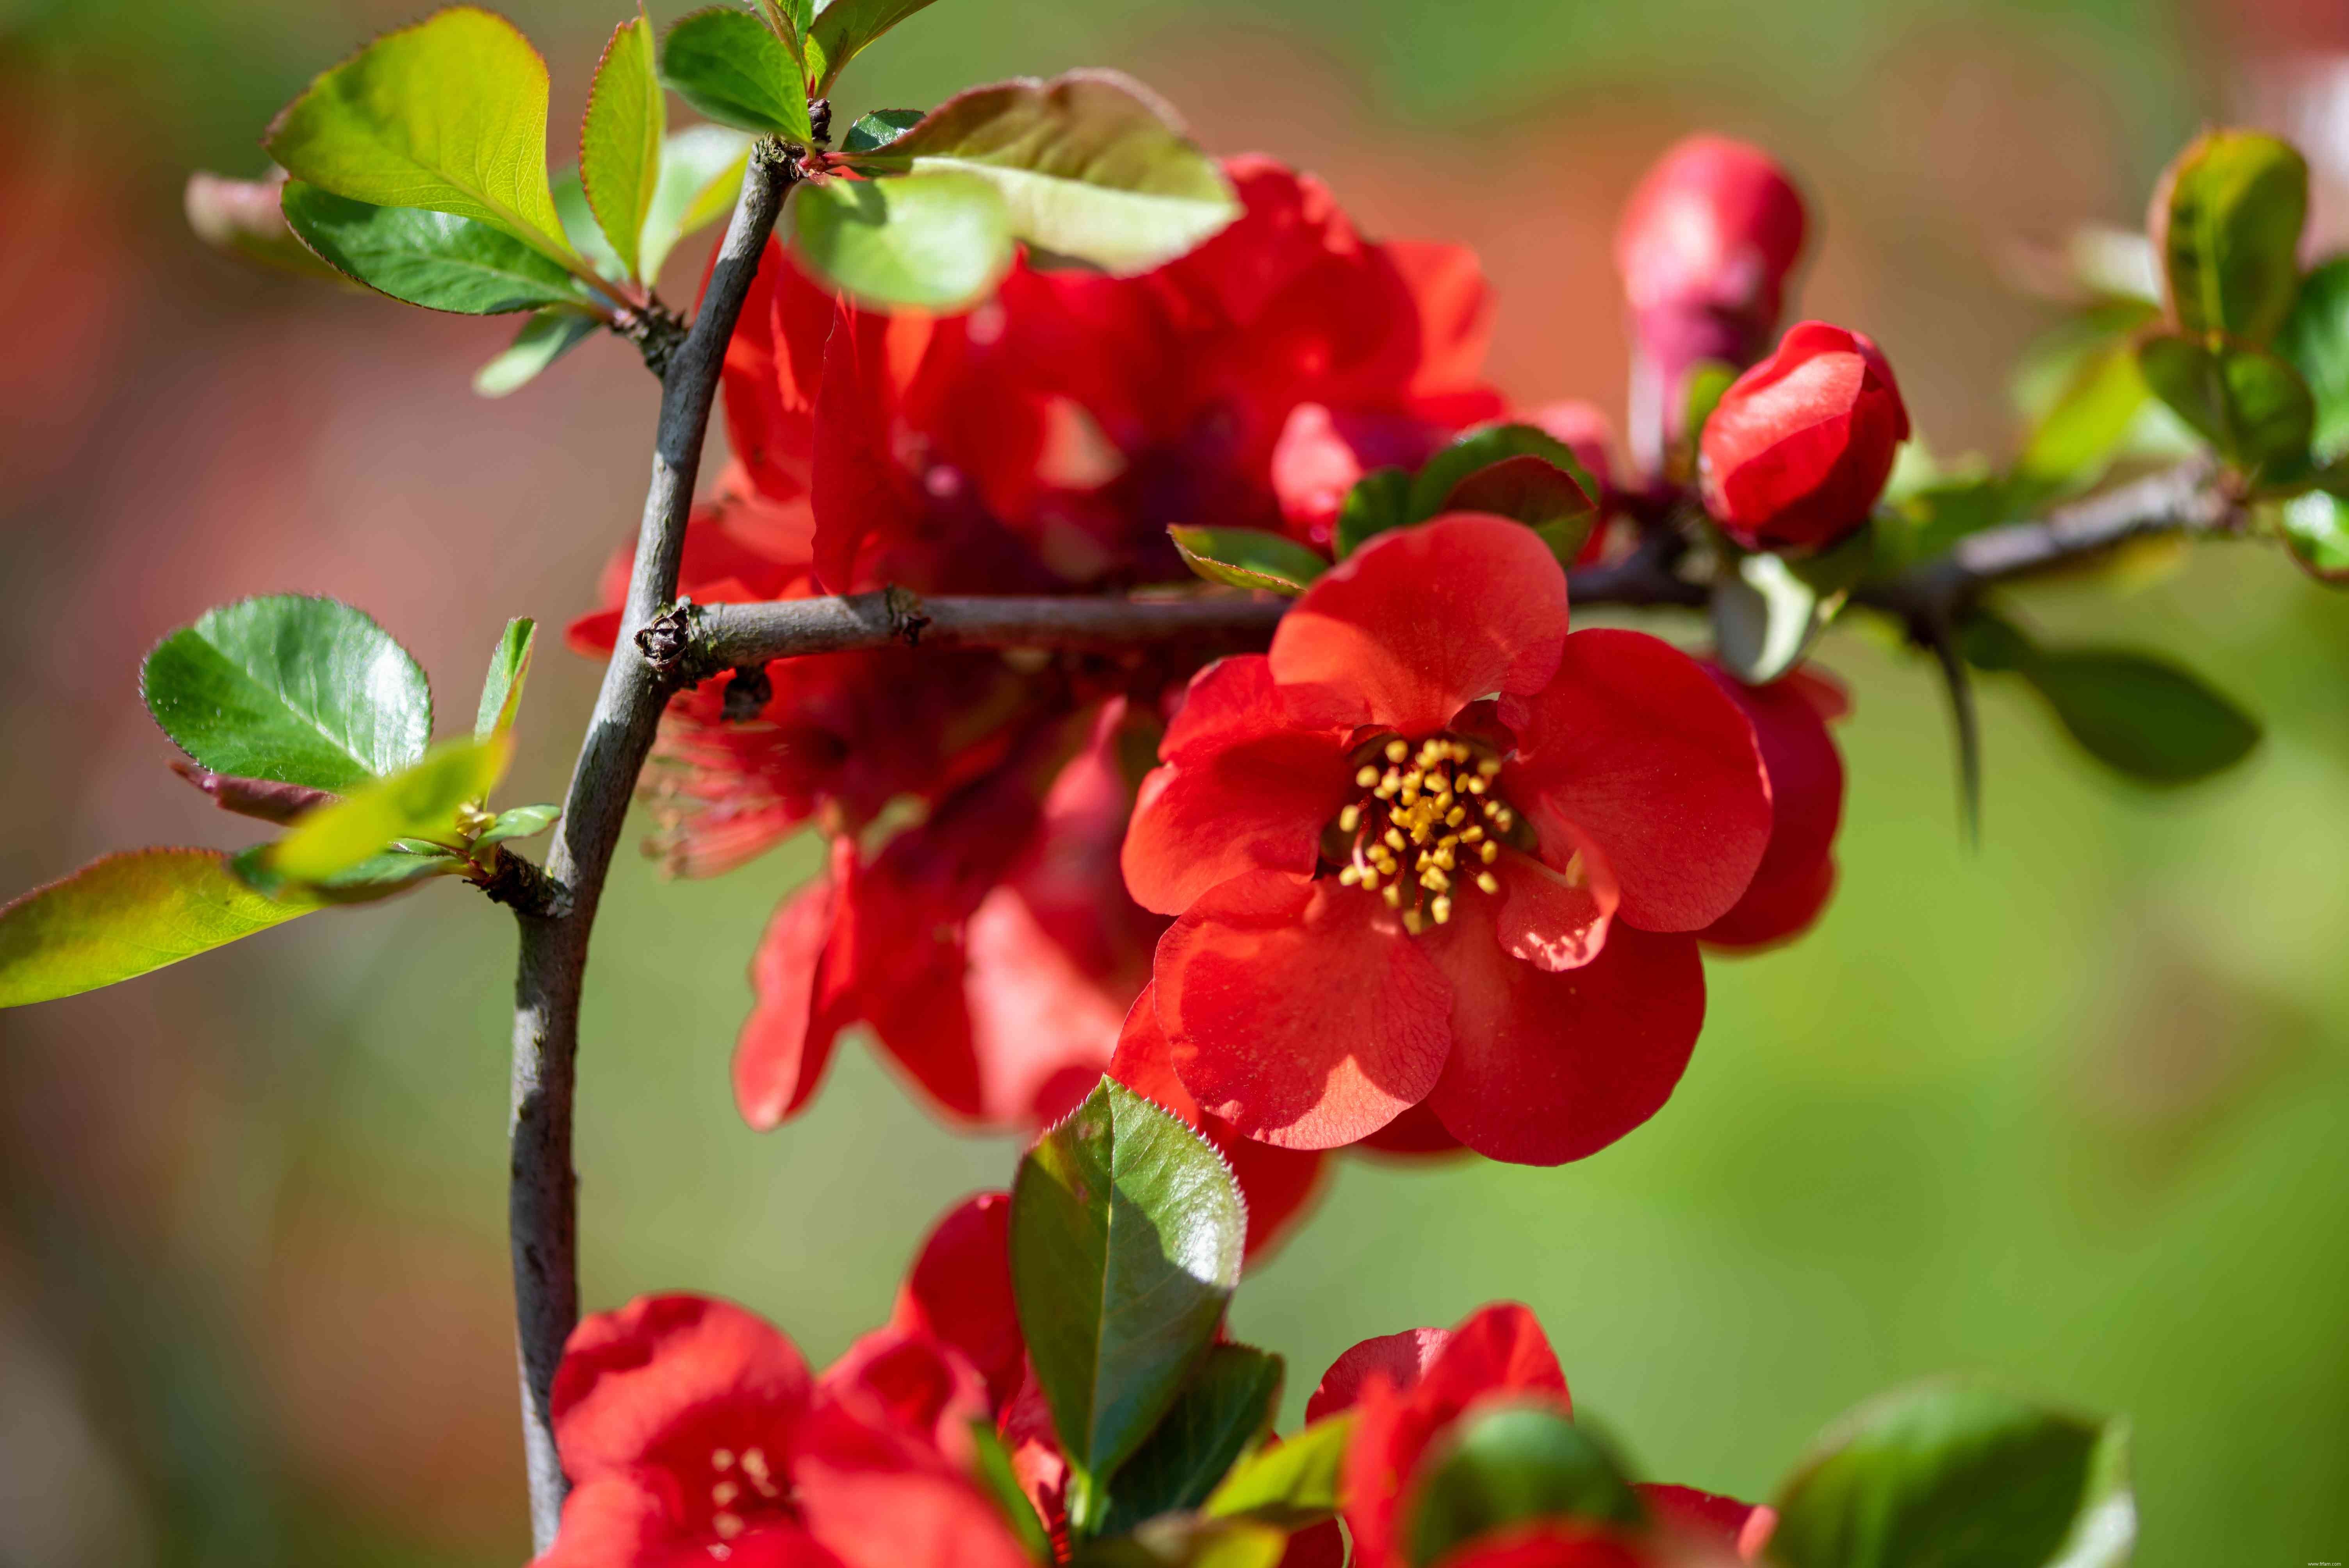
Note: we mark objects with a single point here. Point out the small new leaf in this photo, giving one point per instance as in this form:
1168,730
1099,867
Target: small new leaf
934,242
545,337
620,139
126,915
1292,1484
291,688
731,67
449,115
1249,558
509,668
700,175
518,823
1091,166
241,217
2225,220
430,258
420,802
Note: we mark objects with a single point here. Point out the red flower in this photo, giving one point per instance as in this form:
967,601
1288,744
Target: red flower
1797,873
1409,1390
692,1434
1540,994
1799,447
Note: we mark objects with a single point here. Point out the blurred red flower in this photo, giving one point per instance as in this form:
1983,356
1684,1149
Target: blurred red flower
1394,887
1797,873
1799,447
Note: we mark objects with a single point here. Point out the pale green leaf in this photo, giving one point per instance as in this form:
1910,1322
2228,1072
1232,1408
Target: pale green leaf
420,803
620,139
545,337
509,668
2315,339
701,175
519,823
1249,558
1290,1484
934,242
125,915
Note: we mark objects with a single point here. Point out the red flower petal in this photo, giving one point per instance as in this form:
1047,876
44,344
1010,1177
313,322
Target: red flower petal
1299,1011
1547,1068
1321,1545
1551,1546
786,1042
1416,1134
909,1381
1744,1525
1401,1359
1039,1027
1797,872
667,1379
1775,909
1634,746
617,1521
1422,621
1254,805
1548,921
880,1501
959,1290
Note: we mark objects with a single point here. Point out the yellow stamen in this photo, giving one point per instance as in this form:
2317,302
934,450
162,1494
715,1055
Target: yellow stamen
1487,882
1488,852
1441,908
1397,750
1350,819
1348,875
1412,922
1489,769
1393,895
1365,776
1394,838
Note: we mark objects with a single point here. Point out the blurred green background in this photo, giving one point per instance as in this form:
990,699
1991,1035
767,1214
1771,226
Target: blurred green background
2067,1108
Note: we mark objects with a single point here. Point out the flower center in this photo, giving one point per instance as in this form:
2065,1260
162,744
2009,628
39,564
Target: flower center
1427,829
745,1491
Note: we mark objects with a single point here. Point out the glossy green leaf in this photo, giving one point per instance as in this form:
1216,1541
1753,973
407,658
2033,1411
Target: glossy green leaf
2248,403
934,242
2074,442
1091,166
1536,493
545,337
2226,221
1768,612
991,1465
1379,500
291,688
448,114
1291,1484
242,217
1126,1229
419,803
791,21
1511,1466
1249,558
2143,716
1952,1474
841,31
2315,339
701,175
874,131
731,67
1708,379
1188,1540
1439,480
378,877
431,259
2315,529
122,916
620,139
519,823
509,669
1224,1409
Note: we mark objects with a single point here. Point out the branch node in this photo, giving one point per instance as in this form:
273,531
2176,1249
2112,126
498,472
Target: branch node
656,331
908,619
522,886
664,641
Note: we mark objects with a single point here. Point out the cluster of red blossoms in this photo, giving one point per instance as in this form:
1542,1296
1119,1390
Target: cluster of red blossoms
693,1432
1432,873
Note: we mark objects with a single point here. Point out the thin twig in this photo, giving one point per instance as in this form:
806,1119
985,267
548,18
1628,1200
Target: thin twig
542,1196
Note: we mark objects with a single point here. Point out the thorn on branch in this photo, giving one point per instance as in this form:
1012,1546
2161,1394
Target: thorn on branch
663,642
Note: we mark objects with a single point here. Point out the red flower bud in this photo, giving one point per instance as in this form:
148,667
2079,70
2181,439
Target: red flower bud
1800,446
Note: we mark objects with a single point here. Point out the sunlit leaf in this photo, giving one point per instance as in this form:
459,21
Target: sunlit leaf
2315,338
1511,1466
448,114
701,175
1249,558
397,869
1091,166
242,217
545,337
620,139
2225,220
1768,612
519,823
419,803
2248,403
509,668
841,31
731,67
428,258
122,916
2315,529
1223,1411
2074,442
291,688
1188,1540
934,242
1290,1484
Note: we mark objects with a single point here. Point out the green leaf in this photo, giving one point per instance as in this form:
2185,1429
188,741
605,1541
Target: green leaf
791,20
1511,1466
701,175
241,217
1091,166
1291,1484
1249,558
420,802
1708,379
509,668
877,130
2074,442
2225,220
1379,500
545,337
2315,529
1223,1412
2143,716
519,823
2315,338
1768,613
620,139
122,916
2248,403
1126,1229
732,68
841,31
379,876
1439,484
431,259
290,688
992,1467
934,242
1952,1474
449,115
1180,1541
